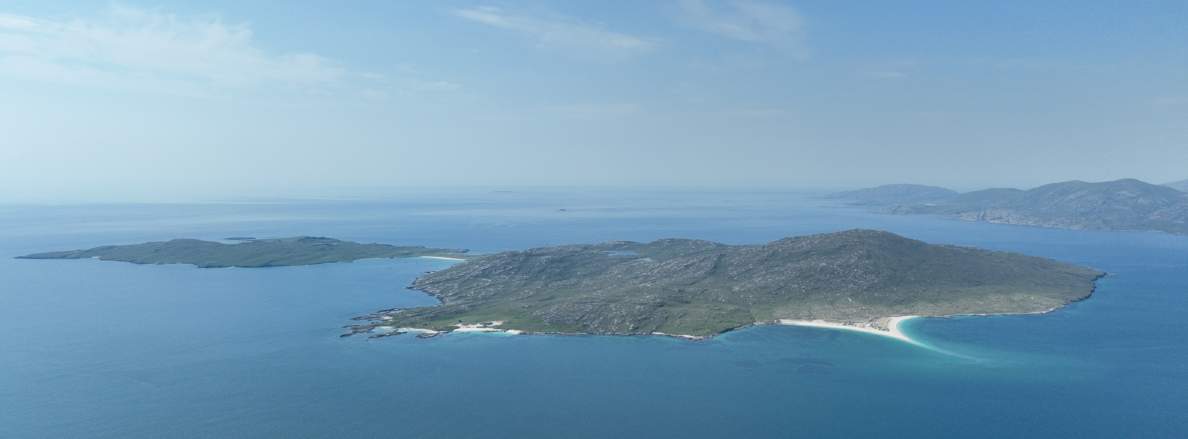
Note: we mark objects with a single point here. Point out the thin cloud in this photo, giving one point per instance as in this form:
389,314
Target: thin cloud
130,48
16,22
558,32
133,43
748,21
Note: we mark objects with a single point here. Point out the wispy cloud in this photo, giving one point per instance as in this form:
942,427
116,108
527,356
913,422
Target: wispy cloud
140,49
557,31
128,44
16,22
747,20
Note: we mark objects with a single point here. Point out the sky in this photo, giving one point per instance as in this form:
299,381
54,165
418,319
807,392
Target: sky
169,101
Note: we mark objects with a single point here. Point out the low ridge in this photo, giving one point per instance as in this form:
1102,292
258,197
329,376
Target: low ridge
251,253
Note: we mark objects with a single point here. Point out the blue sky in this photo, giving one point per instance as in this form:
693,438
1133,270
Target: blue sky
180,100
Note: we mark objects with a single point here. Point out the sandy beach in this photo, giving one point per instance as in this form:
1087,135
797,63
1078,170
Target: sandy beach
416,331
479,327
684,336
443,258
887,327
475,329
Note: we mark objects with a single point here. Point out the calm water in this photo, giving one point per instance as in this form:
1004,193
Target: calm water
105,349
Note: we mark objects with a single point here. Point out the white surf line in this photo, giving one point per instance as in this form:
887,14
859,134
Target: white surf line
443,258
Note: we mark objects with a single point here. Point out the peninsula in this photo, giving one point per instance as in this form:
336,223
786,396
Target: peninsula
1127,204
859,278
251,253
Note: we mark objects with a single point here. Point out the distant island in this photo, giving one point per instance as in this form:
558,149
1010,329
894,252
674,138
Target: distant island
854,279
250,253
1126,204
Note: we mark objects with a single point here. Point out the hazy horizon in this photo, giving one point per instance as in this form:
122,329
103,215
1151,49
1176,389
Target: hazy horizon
170,101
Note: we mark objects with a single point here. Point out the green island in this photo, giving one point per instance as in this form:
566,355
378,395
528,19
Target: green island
249,253
691,288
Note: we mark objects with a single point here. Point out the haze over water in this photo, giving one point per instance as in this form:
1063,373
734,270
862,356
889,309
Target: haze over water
106,349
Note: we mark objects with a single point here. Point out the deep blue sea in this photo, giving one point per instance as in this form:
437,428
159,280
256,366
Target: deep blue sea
116,350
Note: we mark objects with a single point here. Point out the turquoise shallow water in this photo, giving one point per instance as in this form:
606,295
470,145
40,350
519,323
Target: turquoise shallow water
103,349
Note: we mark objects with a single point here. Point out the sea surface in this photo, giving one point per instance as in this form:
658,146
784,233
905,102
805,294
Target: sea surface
117,350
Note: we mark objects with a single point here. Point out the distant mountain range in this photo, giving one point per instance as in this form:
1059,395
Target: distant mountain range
1126,204
1181,185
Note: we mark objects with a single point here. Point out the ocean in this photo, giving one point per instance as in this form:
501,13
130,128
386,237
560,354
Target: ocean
116,350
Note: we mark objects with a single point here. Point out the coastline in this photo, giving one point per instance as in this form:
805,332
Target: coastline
884,327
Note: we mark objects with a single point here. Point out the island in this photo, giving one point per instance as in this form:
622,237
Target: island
1126,204
862,279
249,253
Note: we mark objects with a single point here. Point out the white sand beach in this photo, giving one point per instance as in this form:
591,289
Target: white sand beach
443,258
479,327
684,336
888,327
416,331
475,329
